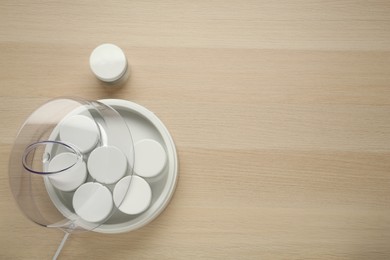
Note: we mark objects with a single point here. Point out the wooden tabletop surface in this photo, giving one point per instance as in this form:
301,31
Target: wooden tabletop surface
280,111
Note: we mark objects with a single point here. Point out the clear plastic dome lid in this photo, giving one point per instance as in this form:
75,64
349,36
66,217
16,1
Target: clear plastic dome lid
66,159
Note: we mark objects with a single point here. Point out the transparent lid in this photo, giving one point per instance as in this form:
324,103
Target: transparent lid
66,159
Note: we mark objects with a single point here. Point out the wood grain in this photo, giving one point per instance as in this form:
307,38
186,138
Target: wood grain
279,110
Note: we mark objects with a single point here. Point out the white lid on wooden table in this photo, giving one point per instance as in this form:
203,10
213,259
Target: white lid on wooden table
108,62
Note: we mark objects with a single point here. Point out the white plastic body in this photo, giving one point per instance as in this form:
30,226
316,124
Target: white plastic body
143,124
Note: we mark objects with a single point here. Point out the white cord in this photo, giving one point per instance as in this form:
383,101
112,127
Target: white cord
61,245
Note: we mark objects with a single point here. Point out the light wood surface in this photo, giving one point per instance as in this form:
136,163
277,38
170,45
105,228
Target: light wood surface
280,111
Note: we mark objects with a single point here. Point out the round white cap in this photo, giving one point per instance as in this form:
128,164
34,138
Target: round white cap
108,62
81,131
132,195
150,158
70,179
107,164
92,202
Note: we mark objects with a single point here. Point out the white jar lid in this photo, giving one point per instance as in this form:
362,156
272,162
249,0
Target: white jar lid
132,195
92,202
80,131
108,62
150,158
70,179
107,164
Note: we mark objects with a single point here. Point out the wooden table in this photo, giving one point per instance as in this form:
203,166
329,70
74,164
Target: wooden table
280,111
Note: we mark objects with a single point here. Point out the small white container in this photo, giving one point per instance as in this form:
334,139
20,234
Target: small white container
108,62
